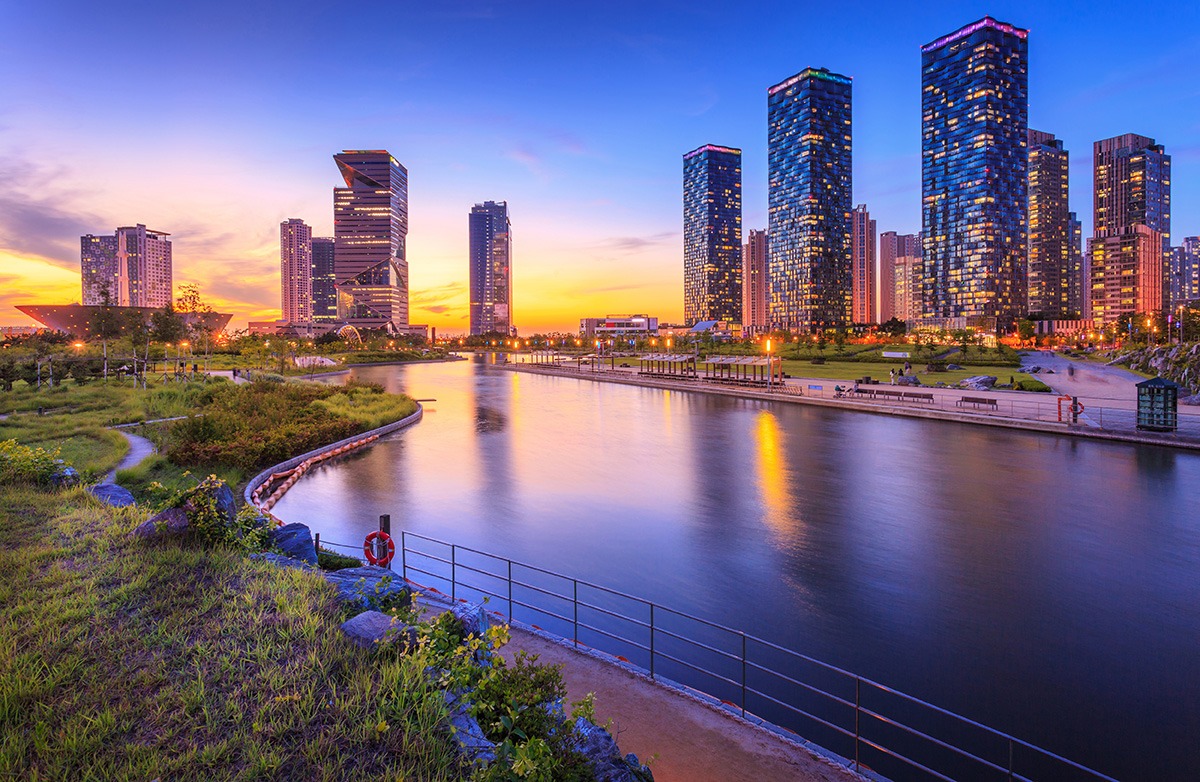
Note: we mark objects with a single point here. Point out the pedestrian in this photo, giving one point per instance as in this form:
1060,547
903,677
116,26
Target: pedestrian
907,368
856,386
892,372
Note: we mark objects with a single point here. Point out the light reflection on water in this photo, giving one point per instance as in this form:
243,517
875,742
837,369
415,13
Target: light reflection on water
1011,577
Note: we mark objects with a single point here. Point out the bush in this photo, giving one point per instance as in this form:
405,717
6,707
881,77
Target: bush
818,359
22,464
246,532
329,560
1032,385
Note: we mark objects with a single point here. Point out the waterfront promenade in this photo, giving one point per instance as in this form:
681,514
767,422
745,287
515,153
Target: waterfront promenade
1108,395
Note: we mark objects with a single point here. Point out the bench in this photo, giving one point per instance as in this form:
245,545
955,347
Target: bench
883,394
977,401
914,396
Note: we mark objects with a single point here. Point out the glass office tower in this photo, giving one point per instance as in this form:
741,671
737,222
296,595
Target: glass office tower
974,164
809,200
370,225
712,235
491,268
1050,217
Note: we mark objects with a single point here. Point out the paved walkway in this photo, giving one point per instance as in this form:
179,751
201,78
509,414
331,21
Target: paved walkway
139,449
693,742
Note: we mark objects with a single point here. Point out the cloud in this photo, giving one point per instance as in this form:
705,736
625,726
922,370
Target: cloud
636,244
37,219
531,160
437,309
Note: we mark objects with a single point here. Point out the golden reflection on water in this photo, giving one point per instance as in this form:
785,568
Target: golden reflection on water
772,478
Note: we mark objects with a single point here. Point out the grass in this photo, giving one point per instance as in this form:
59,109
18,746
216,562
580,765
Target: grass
850,370
367,407
122,660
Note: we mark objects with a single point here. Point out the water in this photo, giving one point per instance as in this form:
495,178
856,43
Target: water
1046,586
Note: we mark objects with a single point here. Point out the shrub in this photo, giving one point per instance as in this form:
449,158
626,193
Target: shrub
329,560
23,464
246,532
818,359
1032,385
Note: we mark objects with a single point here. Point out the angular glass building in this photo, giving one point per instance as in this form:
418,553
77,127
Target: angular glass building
491,268
370,224
712,235
324,281
1050,253
974,163
809,200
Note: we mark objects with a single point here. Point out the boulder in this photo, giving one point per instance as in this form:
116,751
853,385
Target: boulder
362,585
598,746
172,521
472,618
295,540
472,744
1194,399
64,477
979,382
371,628
226,504
908,380
112,494
281,561
953,366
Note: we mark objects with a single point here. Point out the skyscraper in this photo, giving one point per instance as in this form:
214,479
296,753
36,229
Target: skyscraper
491,267
295,270
809,200
1185,272
370,224
1077,270
863,266
974,108
324,281
712,234
907,279
1132,191
1049,229
133,265
891,247
754,282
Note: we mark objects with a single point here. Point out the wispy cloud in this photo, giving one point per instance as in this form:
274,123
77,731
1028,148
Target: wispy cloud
635,244
39,219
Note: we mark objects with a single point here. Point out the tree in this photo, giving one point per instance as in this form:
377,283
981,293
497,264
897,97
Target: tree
200,325
137,326
105,324
9,373
166,326
893,328
1025,330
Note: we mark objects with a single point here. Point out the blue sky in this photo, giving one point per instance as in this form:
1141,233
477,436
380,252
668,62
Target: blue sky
216,121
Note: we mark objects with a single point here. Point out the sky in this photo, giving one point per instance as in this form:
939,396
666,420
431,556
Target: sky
215,121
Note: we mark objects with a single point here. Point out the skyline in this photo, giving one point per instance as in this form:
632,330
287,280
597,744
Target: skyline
586,157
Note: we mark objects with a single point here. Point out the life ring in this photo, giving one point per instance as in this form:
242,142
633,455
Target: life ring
369,548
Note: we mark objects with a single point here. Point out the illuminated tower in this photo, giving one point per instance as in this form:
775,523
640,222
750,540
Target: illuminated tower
324,280
295,270
754,282
809,200
491,268
1050,255
862,267
712,234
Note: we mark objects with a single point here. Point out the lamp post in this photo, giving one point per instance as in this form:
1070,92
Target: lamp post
770,366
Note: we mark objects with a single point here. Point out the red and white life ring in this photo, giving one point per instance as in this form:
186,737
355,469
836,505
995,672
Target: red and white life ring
384,540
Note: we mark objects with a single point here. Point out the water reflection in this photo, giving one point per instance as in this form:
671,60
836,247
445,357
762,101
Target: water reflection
1045,585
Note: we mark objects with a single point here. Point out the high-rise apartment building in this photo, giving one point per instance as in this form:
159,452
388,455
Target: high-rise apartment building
133,266
1131,207
809,200
754,282
370,225
974,122
295,271
1077,269
1185,272
712,234
324,280
491,268
906,274
862,266
1049,252
892,246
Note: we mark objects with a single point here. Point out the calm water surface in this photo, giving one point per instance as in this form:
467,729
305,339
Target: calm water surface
1043,585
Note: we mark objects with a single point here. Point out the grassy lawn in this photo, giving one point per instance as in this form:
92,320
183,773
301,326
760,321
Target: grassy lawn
124,660
849,370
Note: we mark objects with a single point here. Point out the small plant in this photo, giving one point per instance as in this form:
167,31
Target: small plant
26,464
247,531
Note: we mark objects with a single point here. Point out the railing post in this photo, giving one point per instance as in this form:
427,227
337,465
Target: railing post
453,572
317,543
743,673
385,526
857,707
652,640
510,603
403,556
575,604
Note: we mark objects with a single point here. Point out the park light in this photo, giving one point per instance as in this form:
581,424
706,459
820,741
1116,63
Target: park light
768,346
184,343
78,344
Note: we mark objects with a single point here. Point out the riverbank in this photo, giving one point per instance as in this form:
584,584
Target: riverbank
944,407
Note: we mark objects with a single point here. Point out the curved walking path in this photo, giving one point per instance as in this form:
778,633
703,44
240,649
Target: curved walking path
139,449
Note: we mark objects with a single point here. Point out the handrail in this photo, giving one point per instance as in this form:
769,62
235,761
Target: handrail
651,636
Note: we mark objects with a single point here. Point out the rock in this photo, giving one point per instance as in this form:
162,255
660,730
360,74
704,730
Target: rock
1047,371
112,494
295,540
366,584
472,744
472,618
1194,399
281,560
598,746
226,504
371,628
953,366
978,382
64,477
908,380
172,521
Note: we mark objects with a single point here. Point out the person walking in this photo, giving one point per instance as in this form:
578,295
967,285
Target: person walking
892,372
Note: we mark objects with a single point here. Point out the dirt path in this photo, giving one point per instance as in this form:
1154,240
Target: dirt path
693,742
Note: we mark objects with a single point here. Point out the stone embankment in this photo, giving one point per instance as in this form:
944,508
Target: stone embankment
1177,363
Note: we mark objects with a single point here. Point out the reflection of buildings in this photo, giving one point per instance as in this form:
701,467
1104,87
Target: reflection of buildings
370,224
491,268
76,318
808,162
712,234
133,266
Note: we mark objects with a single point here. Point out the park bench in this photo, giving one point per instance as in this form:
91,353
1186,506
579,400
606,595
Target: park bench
977,401
884,394
915,396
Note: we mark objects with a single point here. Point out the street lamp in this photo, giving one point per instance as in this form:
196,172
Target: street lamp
770,365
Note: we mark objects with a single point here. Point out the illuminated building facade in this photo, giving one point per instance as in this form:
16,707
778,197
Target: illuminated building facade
906,291
755,283
712,234
133,266
370,225
809,200
1050,254
491,268
974,121
891,247
862,266
1185,272
1131,207
295,270
1077,277
324,281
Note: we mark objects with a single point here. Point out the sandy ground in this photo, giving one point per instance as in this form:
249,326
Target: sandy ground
692,742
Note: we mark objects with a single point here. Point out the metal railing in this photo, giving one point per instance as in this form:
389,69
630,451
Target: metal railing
875,728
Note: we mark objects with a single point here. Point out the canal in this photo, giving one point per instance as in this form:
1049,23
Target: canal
1046,586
